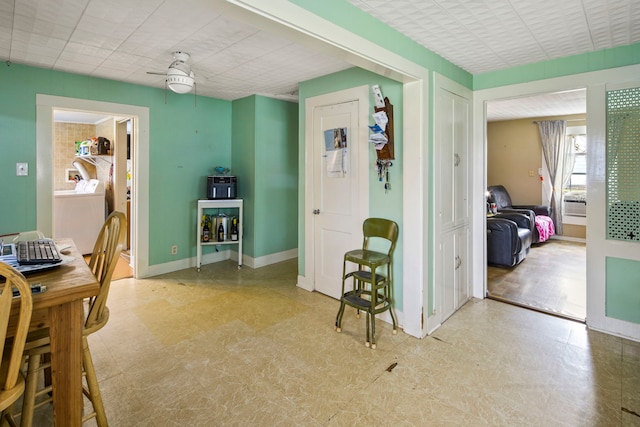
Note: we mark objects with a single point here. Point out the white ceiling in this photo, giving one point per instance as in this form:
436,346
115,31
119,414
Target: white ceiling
66,116
123,39
543,105
481,36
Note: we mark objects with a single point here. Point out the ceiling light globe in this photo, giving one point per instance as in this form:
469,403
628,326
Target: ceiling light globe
179,81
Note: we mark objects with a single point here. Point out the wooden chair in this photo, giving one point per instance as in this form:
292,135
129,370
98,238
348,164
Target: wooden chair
11,381
103,262
372,291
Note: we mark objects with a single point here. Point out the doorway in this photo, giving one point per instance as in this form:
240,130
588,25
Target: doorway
335,129
331,231
91,146
45,105
552,277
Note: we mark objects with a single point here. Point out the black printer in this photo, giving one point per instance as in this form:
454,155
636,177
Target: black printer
221,187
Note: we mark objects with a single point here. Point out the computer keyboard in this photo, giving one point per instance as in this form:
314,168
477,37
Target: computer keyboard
37,252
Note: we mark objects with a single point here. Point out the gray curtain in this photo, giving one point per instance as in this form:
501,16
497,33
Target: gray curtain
555,151
569,160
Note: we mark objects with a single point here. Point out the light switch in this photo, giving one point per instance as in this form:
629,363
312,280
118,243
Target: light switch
22,169
530,172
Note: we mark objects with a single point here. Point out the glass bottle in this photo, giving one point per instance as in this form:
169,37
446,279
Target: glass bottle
205,228
234,229
220,232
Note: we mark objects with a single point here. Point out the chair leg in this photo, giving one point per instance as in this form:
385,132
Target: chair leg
30,388
92,384
339,317
373,330
6,417
367,343
338,326
389,295
393,319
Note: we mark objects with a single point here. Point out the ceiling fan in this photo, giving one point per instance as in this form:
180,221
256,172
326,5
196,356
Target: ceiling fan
179,76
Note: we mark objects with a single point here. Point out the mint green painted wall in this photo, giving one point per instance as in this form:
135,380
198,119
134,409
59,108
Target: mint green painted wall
265,153
348,16
623,289
381,204
243,166
576,64
276,148
186,142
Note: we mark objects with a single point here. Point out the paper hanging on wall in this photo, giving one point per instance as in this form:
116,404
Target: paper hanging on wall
378,99
335,163
381,119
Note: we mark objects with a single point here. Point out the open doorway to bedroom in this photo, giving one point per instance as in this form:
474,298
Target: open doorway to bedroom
550,275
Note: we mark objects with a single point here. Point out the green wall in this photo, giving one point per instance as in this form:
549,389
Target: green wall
186,142
265,153
575,64
277,176
243,166
381,204
623,289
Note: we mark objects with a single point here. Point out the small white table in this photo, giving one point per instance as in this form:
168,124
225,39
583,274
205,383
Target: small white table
218,204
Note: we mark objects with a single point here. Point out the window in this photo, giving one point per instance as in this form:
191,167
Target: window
574,195
578,179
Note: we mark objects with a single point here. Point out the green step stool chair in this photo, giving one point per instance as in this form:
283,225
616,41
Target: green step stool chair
372,289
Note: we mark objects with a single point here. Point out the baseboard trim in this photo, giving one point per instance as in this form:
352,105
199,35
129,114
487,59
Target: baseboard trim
267,259
169,267
568,239
223,255
305,284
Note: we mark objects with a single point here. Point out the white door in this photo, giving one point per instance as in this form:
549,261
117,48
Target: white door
613,208
451,152
337,227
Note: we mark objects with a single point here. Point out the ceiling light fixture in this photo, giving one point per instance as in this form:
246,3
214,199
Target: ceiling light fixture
180,78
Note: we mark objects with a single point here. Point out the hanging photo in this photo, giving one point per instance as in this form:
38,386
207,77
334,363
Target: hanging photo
335,139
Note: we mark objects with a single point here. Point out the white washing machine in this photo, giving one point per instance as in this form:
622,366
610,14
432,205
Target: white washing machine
79,214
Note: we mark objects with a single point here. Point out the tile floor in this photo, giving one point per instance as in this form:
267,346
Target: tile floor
236,348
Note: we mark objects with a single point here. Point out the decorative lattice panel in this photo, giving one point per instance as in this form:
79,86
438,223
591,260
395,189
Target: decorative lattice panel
623,164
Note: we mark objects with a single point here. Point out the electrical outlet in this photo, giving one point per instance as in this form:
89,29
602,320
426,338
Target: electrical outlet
174,250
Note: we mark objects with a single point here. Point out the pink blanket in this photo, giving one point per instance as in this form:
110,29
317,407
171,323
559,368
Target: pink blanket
544,224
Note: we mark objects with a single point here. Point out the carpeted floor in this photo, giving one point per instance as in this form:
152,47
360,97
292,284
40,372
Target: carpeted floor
551,278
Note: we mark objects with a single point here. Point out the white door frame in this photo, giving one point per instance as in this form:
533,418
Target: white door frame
45,104
595,82
360,94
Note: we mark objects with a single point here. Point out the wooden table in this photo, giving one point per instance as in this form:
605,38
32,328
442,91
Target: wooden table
60,309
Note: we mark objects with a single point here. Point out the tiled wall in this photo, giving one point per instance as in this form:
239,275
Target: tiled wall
65,136
64,150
